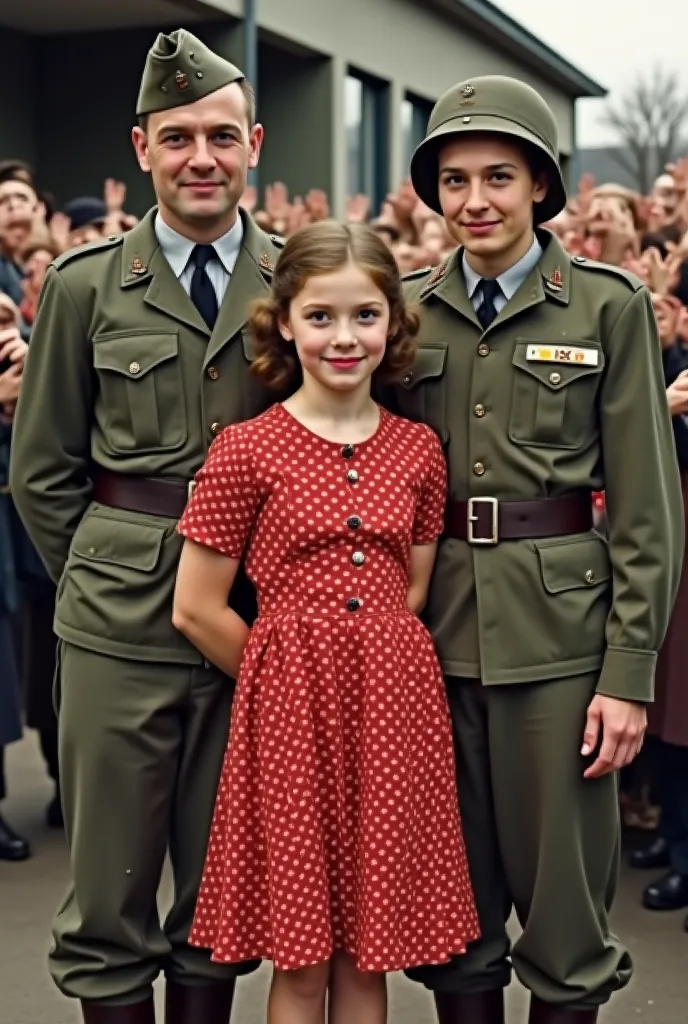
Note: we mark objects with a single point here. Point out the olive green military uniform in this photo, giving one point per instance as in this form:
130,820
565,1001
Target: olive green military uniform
529,630
125,376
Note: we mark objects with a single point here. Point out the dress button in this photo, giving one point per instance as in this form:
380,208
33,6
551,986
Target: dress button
213,373
555,378
134,368
348,451
479,469
483,349
408,378
590,577
479,410
353,522
215,428
354,603
352,476
358,558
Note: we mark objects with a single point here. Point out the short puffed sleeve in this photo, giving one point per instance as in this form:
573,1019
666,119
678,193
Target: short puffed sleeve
430,510
224,503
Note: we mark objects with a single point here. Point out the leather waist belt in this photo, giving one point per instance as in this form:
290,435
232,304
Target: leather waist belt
489,521
154,496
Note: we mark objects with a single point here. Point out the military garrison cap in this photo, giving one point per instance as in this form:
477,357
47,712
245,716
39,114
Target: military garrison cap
180,69
491,103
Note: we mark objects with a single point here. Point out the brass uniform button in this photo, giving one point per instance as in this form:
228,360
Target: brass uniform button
213,373
91,551
479,469
215,428
354,603
555,378
354,522
479,411
348,451
352,476
134,368
358,558
483,349
408,378
590,577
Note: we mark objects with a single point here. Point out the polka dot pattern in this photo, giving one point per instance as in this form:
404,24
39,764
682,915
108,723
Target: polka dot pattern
337,823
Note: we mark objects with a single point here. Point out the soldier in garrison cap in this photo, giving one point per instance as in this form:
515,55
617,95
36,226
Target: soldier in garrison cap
139,356
542,375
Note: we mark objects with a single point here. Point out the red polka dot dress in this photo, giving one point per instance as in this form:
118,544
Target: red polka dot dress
336,824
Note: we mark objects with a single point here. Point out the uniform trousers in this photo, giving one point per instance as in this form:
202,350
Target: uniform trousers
141,747
541,840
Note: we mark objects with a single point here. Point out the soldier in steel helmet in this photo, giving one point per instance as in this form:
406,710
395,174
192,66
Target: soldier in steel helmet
542,375
139,356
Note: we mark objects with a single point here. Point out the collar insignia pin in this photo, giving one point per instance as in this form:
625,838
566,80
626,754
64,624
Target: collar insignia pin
556,281
266,263
137,267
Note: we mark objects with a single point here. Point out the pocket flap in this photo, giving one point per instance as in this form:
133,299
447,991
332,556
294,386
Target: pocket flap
566,564
134,355
430,362
557,373
132,545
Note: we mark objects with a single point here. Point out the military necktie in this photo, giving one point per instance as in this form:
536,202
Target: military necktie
202,292
487,311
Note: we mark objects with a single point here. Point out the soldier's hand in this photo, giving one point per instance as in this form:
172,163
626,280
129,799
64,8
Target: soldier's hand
622,725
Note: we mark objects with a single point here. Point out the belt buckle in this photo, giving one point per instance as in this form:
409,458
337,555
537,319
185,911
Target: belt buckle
472,519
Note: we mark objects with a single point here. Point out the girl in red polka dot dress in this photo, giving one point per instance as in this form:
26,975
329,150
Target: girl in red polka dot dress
336,849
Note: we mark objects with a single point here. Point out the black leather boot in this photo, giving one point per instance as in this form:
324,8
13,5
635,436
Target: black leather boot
132,1013
546,1013
656,855
12,845
470,1008
199,1004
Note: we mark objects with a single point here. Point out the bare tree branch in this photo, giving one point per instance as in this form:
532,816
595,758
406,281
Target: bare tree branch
649,121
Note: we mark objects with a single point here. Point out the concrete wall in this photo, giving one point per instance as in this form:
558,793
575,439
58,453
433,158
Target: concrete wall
17,135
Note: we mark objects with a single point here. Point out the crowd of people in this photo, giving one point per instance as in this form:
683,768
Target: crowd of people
644,235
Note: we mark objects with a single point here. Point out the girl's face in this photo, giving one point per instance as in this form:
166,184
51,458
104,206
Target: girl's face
339,322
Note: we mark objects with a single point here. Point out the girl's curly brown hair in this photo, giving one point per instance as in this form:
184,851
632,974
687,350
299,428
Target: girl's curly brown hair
321,249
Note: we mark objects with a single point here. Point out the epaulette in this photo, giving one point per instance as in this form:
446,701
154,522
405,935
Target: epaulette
413,274
626,276
85,250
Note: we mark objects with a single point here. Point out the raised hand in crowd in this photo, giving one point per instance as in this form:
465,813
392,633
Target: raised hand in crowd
357,209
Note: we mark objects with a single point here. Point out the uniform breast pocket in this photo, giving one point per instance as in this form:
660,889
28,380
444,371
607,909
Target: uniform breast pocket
142,404
553,401
422,392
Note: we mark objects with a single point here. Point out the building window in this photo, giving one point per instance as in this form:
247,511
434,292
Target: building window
365,101
415,114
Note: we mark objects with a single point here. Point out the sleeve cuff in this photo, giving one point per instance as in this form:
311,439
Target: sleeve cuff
628,675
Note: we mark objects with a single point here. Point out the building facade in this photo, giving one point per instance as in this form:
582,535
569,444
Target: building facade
344,88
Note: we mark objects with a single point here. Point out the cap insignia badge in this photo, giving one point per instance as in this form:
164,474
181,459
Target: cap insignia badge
137,267
556,281
468,91
266,263
182,81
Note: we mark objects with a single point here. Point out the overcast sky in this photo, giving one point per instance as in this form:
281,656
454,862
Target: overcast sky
612,41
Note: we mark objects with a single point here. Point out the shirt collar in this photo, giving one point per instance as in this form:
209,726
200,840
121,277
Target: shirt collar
512,279
177,249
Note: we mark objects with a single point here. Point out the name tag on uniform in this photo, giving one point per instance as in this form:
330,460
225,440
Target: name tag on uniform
562,354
